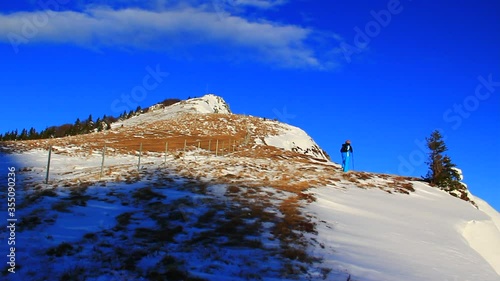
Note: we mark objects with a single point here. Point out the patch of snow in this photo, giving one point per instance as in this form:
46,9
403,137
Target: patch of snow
295,139
459,172
376,236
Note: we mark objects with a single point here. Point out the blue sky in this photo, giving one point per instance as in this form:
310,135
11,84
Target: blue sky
383,74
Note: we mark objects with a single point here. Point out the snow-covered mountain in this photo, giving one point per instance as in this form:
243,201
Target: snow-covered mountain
205,105
219,196
276,134
194,122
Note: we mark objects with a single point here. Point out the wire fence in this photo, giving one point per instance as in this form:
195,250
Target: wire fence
217,147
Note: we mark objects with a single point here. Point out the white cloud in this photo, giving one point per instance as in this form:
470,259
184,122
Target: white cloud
263,4
168,30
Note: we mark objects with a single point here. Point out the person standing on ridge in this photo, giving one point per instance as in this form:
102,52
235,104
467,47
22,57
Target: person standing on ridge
346,152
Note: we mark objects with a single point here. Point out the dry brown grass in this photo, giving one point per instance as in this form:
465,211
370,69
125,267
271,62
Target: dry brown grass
293,220
384,176
351,177
235,132
363,175
192,130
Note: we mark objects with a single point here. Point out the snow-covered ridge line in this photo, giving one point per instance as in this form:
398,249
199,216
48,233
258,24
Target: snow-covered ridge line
204,105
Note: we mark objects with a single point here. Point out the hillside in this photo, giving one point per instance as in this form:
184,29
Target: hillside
220,196
191,123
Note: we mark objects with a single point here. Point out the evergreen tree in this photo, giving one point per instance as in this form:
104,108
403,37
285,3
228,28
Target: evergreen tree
99,125
442,170
89,125
48,133
77,128
24,135
123,116
32,134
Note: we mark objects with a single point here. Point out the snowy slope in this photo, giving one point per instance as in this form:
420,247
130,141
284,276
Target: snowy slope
164,227
367,234
428,235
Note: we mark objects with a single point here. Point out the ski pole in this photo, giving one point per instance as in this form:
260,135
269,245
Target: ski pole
352,159
342,160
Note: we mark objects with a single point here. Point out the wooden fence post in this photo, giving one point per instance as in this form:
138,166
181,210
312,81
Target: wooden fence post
48,166
102,163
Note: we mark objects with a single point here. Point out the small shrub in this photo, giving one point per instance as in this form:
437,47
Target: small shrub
79,199
30,221
48,192
146,194
349,177
90,236
132,179
61,206
252,243
132,258
123,220
383,176
173,274
233,189
307,197
179,155
177,215
38,194
207,217
63,249
164,234
168,260
408,186
158,207
364,176
76,273
296,254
